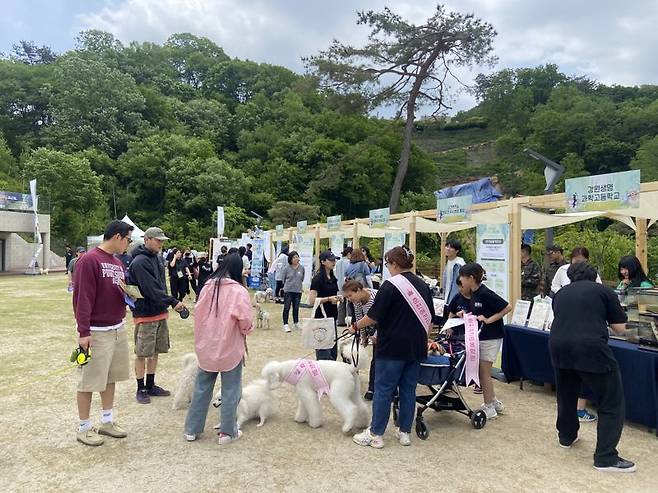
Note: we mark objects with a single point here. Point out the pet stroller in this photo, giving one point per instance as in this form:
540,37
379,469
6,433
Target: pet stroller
442,375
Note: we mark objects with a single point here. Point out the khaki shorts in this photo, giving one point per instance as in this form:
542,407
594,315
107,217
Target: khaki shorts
109,361
151,338
489,349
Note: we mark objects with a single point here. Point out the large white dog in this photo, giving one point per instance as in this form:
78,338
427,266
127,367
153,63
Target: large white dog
257,402
185,387
339,380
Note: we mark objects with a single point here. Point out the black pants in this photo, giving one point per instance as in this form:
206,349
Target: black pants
609,393
371,376
278,293
291,299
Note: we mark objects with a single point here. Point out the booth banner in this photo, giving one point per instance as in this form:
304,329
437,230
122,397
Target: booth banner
603,192
257,256
305,247
380,218
279,230
333,223
220,222
493,256
16,201
454,209
246,238
336,242
391,240
302,227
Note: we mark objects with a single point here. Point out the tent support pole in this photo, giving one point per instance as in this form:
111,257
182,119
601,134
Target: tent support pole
442,265
514,281
412,237
317,247
641,226
355,234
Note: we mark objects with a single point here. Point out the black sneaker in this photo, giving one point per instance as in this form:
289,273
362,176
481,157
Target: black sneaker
622,465
368,395
156,391
142,397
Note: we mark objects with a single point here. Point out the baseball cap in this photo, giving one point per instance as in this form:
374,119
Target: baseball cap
327,256
554,248
80,250
156,233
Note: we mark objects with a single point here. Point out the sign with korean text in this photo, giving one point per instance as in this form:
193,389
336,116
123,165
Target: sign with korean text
391,240
333,223
493,255
302,227
379,218
16,201
336,242
454,209
279,230
603,192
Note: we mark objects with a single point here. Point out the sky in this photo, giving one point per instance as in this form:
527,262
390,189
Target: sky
610,41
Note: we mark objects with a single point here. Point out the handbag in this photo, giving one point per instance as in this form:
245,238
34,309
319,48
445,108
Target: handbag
318,333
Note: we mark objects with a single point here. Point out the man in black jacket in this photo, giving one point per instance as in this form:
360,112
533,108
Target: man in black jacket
150,313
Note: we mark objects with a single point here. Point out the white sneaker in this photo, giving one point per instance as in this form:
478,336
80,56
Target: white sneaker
498,406
367,439
489,410
404,438
295,326
286,328
226,439
190,437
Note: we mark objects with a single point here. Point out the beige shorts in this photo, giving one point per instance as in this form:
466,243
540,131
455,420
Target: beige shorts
109,361
489,349
151,338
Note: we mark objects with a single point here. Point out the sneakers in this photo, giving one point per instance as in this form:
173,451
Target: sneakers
489,410
90,437
622,465
477,390
404,438
368,395
190,437
156,391
225,439
367,439
295,326
286,328
586,417
142,397
567,445
498,406
112,430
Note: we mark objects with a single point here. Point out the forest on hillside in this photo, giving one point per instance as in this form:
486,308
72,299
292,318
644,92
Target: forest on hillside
168,132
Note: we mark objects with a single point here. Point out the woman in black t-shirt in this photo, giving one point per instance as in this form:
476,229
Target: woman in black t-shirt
324,287
401,346
489,308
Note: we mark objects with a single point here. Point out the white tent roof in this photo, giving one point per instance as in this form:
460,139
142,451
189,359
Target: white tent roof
137,231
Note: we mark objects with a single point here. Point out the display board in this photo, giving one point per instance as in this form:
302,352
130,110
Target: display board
380,218
333,223
336,242
603,192
454,209
305,247
391,240
493,256
302,227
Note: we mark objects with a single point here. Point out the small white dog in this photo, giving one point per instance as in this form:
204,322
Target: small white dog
263,296
262,318
185,388
257,401
344,390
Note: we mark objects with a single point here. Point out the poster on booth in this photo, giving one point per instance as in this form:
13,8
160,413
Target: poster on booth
302,227
493,256
255,280
333,223
336,242
391,240
603,192
305,249
454,209
278,232
379,218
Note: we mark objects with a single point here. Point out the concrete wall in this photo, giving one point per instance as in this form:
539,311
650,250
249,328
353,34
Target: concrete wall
18,252
22,222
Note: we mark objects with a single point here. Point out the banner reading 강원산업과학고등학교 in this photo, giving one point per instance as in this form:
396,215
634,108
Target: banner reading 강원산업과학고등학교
603,192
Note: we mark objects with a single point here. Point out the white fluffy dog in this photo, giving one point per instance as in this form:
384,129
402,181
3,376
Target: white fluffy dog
354,354
185,387
257,401
263,296
344,392
262,317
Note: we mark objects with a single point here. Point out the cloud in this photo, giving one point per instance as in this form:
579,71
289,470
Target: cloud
584,38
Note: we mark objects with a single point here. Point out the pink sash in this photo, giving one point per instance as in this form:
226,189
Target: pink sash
472,349
414,299
311,367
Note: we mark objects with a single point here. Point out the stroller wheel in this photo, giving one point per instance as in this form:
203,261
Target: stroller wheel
421,429
478,420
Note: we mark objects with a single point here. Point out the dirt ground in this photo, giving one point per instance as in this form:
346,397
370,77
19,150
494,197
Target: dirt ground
517,452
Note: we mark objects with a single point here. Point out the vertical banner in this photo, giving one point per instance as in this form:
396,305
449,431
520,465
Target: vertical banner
305,249
336,242
472,340
220,222
603,192
37,234
391,240
454,209
493,256
257,257
333,223
380,218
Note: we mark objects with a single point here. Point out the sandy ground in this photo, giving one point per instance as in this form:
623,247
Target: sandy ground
38,452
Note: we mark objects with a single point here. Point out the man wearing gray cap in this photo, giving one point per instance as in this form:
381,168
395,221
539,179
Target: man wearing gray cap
150,313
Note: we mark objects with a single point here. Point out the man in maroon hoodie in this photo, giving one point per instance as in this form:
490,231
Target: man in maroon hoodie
100,311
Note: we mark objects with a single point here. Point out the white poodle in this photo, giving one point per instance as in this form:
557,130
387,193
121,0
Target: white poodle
344,390
257,401
185,387
354,353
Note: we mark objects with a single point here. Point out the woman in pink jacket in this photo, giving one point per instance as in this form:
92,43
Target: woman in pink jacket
222,320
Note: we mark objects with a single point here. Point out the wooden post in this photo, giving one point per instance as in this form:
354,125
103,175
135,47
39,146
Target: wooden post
515,235
355,234
317,247
412,237
442,264
641,226
290,238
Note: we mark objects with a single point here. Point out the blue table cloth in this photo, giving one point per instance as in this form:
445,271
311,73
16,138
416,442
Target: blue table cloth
526,356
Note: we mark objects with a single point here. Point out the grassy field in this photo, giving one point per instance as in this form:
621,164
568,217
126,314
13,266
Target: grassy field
38,452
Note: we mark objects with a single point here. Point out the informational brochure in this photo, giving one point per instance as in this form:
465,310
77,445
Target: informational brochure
520,314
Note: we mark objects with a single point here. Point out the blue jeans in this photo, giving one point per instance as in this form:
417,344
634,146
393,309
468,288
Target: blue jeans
203,389
293,299
390,375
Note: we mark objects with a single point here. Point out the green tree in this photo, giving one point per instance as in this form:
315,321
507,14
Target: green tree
406,65
30,53
288,213
646,160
